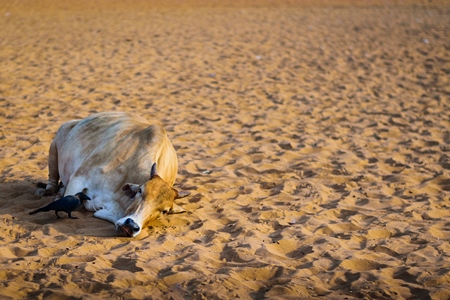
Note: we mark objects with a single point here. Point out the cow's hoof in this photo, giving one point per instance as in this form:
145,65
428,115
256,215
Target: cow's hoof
40,192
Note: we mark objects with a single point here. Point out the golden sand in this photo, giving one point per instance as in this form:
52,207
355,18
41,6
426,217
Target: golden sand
314,138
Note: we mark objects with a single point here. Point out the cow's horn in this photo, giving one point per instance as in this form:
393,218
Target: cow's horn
153,172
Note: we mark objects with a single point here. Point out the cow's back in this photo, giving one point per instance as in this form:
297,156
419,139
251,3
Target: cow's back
109,149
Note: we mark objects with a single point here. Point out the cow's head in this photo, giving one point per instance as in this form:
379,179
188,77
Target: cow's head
150,199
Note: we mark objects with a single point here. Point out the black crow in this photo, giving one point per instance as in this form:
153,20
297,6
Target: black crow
67,204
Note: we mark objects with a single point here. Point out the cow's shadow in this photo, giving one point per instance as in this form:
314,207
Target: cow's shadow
18,199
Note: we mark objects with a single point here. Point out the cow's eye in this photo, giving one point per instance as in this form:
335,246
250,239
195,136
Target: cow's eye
140,191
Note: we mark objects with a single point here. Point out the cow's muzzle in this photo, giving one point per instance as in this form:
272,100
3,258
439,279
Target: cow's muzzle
129,228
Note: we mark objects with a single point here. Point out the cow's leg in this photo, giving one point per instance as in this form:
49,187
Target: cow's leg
53,175
53,168
61,191
108,215
76,184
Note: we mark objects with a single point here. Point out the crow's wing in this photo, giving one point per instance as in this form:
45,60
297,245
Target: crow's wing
66,204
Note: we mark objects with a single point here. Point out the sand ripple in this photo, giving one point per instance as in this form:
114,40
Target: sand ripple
314,140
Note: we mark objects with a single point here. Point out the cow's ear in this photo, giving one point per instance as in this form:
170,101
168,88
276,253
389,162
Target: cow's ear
182,194
130,189
153,171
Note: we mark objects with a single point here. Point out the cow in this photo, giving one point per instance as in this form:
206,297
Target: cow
125,165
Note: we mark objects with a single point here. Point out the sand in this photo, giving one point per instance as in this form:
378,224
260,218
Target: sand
314,138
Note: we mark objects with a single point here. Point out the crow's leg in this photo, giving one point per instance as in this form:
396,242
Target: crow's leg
70,216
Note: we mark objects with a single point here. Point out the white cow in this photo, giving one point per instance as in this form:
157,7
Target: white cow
112,158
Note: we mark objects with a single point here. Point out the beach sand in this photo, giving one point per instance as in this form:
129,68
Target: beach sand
314,137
